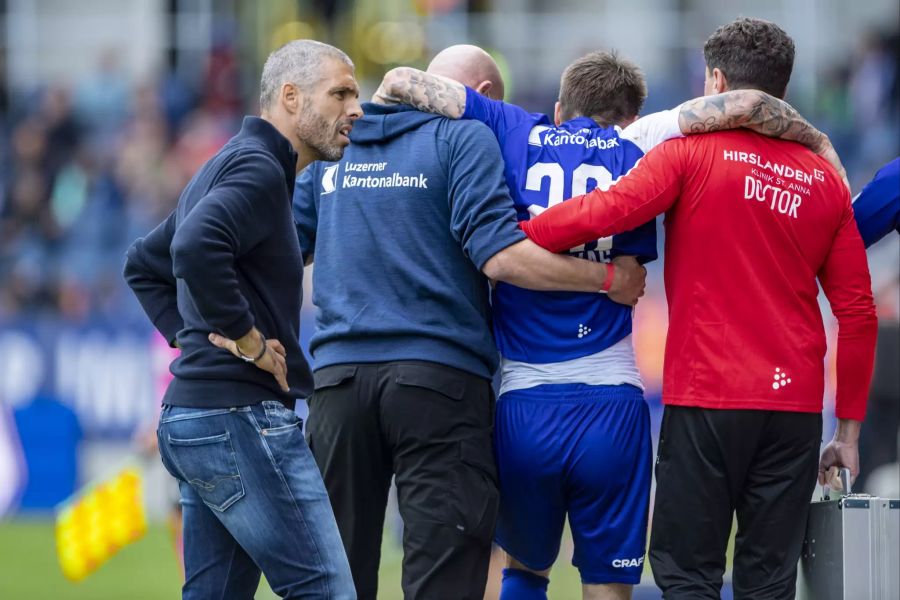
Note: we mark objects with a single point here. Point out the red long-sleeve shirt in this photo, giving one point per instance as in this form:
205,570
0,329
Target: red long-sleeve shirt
751,222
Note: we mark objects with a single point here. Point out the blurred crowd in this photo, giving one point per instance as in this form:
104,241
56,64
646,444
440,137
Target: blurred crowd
86,169
858,104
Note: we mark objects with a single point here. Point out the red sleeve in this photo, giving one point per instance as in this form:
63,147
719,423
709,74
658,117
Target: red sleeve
648,189
845,281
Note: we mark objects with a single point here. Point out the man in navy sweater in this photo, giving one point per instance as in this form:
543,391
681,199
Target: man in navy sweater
403,231
221,279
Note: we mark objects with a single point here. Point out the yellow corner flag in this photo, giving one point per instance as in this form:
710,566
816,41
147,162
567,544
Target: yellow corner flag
98,521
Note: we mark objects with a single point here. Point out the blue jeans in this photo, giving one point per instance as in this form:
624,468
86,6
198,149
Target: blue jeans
252,499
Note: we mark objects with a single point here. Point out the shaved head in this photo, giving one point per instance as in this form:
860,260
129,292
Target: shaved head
472,67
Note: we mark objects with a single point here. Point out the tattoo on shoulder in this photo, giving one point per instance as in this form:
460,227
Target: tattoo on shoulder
752,109
431,94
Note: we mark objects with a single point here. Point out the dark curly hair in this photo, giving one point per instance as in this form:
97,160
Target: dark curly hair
752,53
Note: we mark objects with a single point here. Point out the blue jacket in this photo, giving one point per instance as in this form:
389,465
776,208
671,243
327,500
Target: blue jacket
225,260
400,229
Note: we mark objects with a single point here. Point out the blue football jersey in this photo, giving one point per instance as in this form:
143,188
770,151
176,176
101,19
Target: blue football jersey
877,206
545,165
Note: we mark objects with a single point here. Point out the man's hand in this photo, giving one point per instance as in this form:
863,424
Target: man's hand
830,154
629,281
272,360
842,451
381,96
834,456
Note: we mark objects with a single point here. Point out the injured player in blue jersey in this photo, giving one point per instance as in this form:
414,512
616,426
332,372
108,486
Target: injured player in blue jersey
572,433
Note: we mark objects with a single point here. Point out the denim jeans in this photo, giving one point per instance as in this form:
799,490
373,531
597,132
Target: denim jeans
252,499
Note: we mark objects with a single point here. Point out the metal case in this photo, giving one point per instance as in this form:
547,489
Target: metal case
851,550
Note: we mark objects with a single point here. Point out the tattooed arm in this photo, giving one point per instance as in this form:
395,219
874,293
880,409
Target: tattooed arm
424,91
752,109
759,112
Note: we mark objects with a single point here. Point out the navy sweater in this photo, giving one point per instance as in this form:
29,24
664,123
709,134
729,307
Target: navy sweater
400,229
225,260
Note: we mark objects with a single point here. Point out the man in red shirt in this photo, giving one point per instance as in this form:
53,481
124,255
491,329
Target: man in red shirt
751,223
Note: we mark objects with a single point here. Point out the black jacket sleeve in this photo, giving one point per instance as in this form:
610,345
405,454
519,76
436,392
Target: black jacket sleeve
148,271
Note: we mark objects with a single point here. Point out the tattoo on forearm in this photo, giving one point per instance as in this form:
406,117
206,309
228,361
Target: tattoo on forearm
426,92
705,115
754,110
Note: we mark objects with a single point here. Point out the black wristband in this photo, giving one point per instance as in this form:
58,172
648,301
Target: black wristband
262,351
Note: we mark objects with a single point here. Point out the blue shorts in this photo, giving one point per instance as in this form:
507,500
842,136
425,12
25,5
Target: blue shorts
579,450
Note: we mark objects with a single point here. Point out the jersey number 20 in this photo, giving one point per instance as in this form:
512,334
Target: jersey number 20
556,194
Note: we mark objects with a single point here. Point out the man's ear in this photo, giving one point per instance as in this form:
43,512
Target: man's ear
720,82
290,98
557,113
484,87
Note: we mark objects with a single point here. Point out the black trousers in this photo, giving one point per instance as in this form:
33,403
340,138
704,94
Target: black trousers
712,464
430,426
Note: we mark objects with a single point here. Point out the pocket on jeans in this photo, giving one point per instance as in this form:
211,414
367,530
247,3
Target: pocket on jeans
209,465
282,430
279,419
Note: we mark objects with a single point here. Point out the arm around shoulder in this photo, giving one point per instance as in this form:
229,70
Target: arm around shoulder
760,112
424,91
